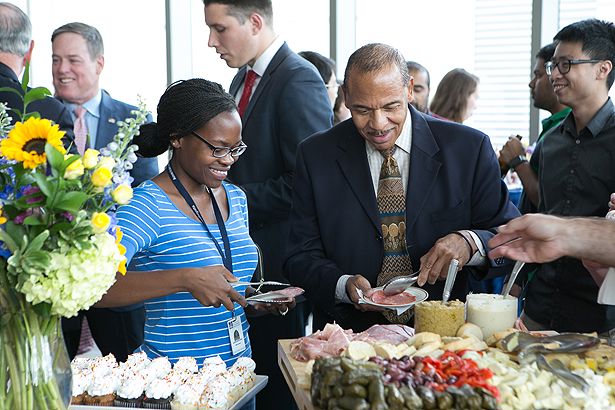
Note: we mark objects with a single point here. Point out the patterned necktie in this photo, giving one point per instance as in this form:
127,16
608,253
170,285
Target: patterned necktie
247,91
392,208
80,129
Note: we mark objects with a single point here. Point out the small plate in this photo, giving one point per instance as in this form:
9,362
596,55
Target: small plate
419,293
274,297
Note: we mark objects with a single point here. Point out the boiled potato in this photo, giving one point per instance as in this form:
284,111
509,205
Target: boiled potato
360,350
470,329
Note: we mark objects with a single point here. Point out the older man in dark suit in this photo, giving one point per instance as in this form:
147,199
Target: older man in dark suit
346,233
15,51
282,100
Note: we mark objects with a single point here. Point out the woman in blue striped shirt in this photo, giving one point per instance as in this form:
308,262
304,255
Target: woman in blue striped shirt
186,231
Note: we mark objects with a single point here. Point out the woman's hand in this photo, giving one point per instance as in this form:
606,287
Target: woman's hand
211,286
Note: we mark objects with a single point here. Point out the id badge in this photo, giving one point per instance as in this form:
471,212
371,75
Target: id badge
235,333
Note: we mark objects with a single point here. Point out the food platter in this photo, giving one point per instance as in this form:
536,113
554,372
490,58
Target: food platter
418,293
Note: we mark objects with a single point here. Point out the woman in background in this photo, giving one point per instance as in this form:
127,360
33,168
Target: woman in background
456,96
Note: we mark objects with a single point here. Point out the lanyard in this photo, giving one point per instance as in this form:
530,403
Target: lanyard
227,258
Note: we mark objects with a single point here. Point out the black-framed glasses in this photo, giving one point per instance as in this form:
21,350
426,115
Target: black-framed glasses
221,152
564,65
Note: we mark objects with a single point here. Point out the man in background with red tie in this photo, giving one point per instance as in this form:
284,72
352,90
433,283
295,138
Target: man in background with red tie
388,192
15,50
282,100
77,62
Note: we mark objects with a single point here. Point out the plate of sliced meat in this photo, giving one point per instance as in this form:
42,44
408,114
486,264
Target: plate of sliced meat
405,299
286,295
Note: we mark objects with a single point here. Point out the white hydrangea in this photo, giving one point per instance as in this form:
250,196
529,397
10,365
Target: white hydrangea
76,279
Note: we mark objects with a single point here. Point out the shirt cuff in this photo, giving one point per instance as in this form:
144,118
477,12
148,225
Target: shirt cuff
341,296
479,257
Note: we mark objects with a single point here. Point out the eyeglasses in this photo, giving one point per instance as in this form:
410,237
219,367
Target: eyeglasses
564,65
221,152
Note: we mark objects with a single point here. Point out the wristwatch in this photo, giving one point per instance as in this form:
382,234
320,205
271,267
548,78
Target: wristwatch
516,161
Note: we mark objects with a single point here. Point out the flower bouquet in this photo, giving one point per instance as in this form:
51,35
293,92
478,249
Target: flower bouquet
60,248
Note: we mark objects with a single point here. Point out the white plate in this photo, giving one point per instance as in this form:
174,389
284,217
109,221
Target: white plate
419,293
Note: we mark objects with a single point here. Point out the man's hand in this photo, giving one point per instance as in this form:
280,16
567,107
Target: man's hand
597,270
435,263
359,282
512,149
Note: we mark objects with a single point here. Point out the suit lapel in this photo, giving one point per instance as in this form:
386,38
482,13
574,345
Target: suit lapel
107,123
354,166
424,168
280,56
237,81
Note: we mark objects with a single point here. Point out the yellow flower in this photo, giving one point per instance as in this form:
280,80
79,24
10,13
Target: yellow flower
107,162
122,194
2,217
100,222
75,169
101,177
118,237
90,158
26,141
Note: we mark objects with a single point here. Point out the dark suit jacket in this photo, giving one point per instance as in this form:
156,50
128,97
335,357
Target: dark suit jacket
48,107
289,104
112,111
454,183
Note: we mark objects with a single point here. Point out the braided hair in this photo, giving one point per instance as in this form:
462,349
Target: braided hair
185,106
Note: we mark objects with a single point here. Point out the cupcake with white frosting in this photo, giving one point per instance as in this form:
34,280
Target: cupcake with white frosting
130,390
158,394
186,397
101,391
81,380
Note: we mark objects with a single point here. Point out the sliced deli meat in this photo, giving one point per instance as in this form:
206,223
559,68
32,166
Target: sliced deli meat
403,298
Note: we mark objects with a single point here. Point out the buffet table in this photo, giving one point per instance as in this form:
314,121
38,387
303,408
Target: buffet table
261,382
294,372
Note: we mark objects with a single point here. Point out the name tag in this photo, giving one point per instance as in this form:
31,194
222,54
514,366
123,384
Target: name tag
235,333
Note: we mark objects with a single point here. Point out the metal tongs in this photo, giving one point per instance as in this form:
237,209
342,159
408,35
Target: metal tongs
558,369
259,284
450,280
513,276
398,284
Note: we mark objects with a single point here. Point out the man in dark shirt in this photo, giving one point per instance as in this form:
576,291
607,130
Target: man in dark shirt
575,173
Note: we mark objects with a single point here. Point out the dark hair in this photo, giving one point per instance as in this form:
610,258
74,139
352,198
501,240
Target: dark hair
185,106
414,66
597,38
90,34
324,65
452,94
375,57
546,52
242,9
15,30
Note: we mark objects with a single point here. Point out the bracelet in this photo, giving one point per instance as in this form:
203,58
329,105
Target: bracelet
467,243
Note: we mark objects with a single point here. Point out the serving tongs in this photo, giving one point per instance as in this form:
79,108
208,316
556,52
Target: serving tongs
398,284
527,346
558,369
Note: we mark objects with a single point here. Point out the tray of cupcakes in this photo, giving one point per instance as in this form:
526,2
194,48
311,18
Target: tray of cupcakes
102,382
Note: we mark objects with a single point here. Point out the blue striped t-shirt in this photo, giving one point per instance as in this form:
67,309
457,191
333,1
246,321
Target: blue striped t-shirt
158,236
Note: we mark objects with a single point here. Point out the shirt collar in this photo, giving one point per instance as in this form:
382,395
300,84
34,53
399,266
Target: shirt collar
596,124
263,61
404,141
92,106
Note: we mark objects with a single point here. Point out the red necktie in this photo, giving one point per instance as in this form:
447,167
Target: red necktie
247,91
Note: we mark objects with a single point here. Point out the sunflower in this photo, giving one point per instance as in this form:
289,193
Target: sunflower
26,141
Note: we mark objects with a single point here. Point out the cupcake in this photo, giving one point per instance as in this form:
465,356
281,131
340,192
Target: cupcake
81,381
130,391
158,394
157,369
136,362
216,395
101,391
213,366
186,397
186,364
241,379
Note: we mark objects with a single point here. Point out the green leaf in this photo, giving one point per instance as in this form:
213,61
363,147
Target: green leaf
8,241
33,114
46,187
35,94
16,232
32,220
55,157
11,90
26,76
37,243
71,201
